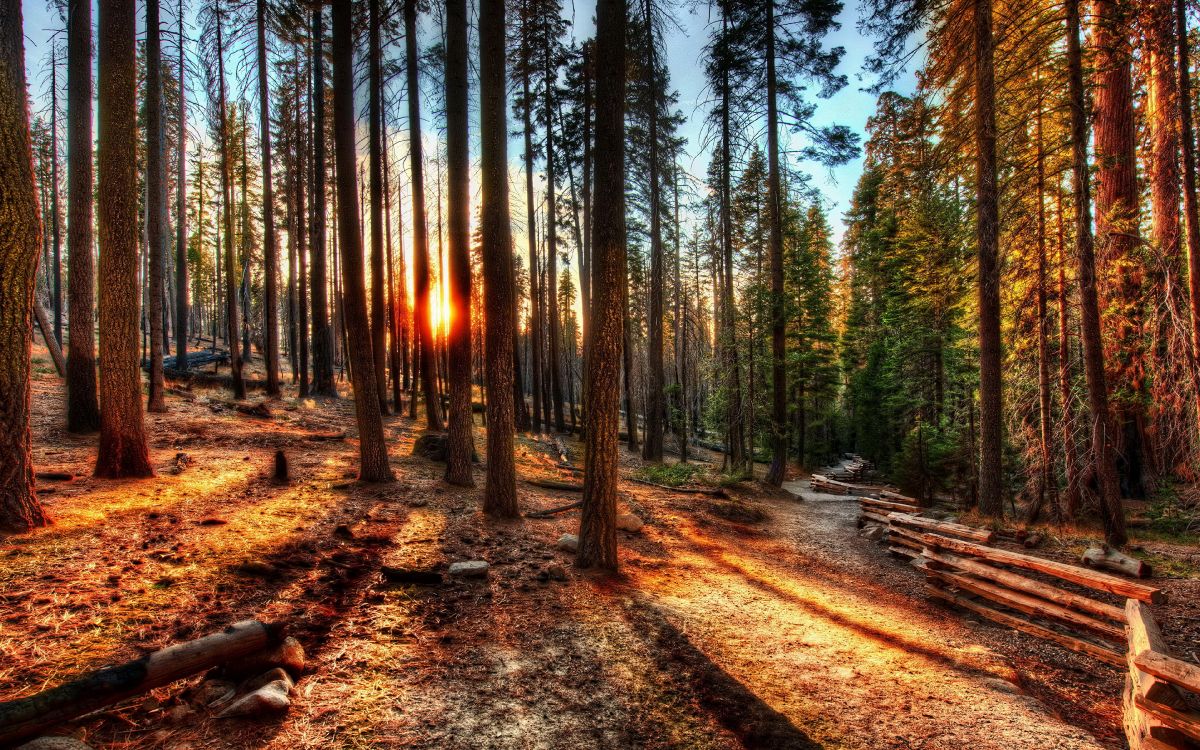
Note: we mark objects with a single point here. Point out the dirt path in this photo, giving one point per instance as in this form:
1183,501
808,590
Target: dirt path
789,631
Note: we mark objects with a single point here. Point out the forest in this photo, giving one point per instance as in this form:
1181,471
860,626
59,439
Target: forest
633,373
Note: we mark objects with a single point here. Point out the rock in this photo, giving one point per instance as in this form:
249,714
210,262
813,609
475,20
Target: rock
629,522
181,713
431,445
213,692
873,531
469,569
568,543
278,674
269,699
406,575
557,572
55,743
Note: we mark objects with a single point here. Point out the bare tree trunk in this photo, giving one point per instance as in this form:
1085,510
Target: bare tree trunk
597,528
499,285
1103,453
83,410
231,285
1046,483
322,330
433,409
555,355
991,355
779,436
1072,501
460,442
181,245
123,451
1191,206
19,506
373,457
652,450
535,319
735,423
270,245
156,203
378,317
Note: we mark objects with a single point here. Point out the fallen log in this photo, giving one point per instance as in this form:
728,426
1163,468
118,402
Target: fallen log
54,476
552,511
51,343
1082,576
897,497
902,551
1103,652
25,717
869,516
1019,582
1177,671
551,484
319,436
1108,558
1021,602
946,528
889,506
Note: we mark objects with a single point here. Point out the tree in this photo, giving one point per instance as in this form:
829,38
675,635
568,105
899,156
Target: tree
652,450
19,506
499,293
460,444
424,323
83,410
270,244
378,318
373,457
156,203
232,324
123,450
322,332
597,527
1103,451
181,235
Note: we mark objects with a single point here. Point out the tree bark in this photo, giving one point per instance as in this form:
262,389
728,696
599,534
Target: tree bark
373,456
270,243
378,315
652,449
1103,453
433,409
988,237
20,235
1073,496
597,528
735,424
156,203
83,410
535,320
1191,206
231,285
555,354
460,443
123,451
499,284
779,436
181,239
322,330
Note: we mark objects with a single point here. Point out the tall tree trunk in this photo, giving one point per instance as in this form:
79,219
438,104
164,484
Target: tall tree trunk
181,243
19,506
1117,241
779,435
597,527
56,218
373,458
499,282
123,451
378,317
156,202
1073,497
1103,453
988,237
1046,483
535,319
1191,206
652,450
322,331
397,297
231,284
555,355
460,442
735,423
270,245
83,410
433,409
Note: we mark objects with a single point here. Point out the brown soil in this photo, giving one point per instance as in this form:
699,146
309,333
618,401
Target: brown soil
789,632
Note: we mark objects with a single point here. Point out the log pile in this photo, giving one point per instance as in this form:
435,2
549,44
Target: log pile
875,508
831,486
1156,714
1027,593
853,469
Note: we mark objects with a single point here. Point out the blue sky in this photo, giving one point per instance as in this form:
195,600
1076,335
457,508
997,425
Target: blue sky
851,106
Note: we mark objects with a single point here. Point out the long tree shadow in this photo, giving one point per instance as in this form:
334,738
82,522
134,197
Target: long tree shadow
734,706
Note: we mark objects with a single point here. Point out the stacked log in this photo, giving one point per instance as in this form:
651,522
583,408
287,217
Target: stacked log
828,485
905,532
875,508
1000,585
1156,714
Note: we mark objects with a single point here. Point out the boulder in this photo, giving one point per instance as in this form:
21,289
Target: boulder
629,522
469,569
214,692
271,698
568,543
431,445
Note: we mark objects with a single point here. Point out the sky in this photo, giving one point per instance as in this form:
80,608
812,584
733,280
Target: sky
684,45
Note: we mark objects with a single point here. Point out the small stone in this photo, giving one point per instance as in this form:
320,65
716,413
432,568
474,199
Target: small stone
469,569
629,522
278,674
873,531
268,699
542,576
557,572
568,543
213,692
55,743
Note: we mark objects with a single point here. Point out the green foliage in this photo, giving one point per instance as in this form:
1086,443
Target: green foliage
671,475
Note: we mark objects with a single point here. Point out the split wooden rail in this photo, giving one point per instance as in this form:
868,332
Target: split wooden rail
1156,714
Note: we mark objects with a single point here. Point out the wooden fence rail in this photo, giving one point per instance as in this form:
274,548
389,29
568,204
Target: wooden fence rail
1157,716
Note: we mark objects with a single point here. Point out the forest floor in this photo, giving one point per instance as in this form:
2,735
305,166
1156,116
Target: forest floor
785,629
